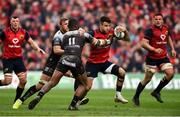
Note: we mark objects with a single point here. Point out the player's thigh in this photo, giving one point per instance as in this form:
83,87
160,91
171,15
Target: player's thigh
111,68
50,66
150,70
19,66
60,70
168,69
7,70
92,69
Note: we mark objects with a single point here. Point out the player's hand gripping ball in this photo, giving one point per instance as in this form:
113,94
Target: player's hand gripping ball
119,31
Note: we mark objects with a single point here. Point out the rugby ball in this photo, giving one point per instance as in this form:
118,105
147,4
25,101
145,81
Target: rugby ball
119,34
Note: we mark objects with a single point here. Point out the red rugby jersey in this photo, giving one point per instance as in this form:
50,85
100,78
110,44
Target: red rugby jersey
12,42
158,39
100,54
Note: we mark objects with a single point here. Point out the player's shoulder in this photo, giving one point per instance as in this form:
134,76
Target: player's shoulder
22,30
151,27
7,29
166,26
58,34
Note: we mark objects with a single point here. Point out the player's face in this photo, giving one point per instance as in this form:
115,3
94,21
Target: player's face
65,25
158,21
105,27
15,23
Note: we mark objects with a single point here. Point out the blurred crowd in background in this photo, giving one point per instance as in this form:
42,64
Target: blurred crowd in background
40,18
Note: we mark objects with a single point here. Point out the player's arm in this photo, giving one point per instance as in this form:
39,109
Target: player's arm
145,42
97,42
33,43
127,37
173,52
56,46
2,35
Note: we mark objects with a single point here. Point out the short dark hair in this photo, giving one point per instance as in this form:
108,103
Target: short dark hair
159,14
14,17
105,19
62,20
73,24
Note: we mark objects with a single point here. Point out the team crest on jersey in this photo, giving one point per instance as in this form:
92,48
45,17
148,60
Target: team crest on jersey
21,36
163,36
15,40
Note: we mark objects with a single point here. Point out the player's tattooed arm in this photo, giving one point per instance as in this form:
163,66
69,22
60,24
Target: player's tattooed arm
97,42
101,42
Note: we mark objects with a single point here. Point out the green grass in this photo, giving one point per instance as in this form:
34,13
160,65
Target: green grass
56,102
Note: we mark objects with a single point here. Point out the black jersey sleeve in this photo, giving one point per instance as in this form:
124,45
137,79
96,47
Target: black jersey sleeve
148,34
2,35
26,36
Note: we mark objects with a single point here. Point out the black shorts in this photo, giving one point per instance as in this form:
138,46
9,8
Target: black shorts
72,63
156,62
94,68
51,64
14,64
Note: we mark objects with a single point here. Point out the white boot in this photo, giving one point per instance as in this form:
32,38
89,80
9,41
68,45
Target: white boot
120,98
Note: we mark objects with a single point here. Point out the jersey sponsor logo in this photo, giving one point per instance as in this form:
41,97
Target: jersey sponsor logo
163,37
15,40
64,62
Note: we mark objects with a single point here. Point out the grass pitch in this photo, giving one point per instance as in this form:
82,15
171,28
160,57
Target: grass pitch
101,103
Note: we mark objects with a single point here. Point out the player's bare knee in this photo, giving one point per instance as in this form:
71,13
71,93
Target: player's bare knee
23,80
7,79
118,71
122,72
22,77
170,75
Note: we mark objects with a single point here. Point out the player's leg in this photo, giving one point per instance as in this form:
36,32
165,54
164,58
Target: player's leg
46,88
45,77
92,72
120,73
22,82
84,100
32,90
35,88
80,92
7,79
20,71
169,73
111,68
7,70
149,72
61,69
